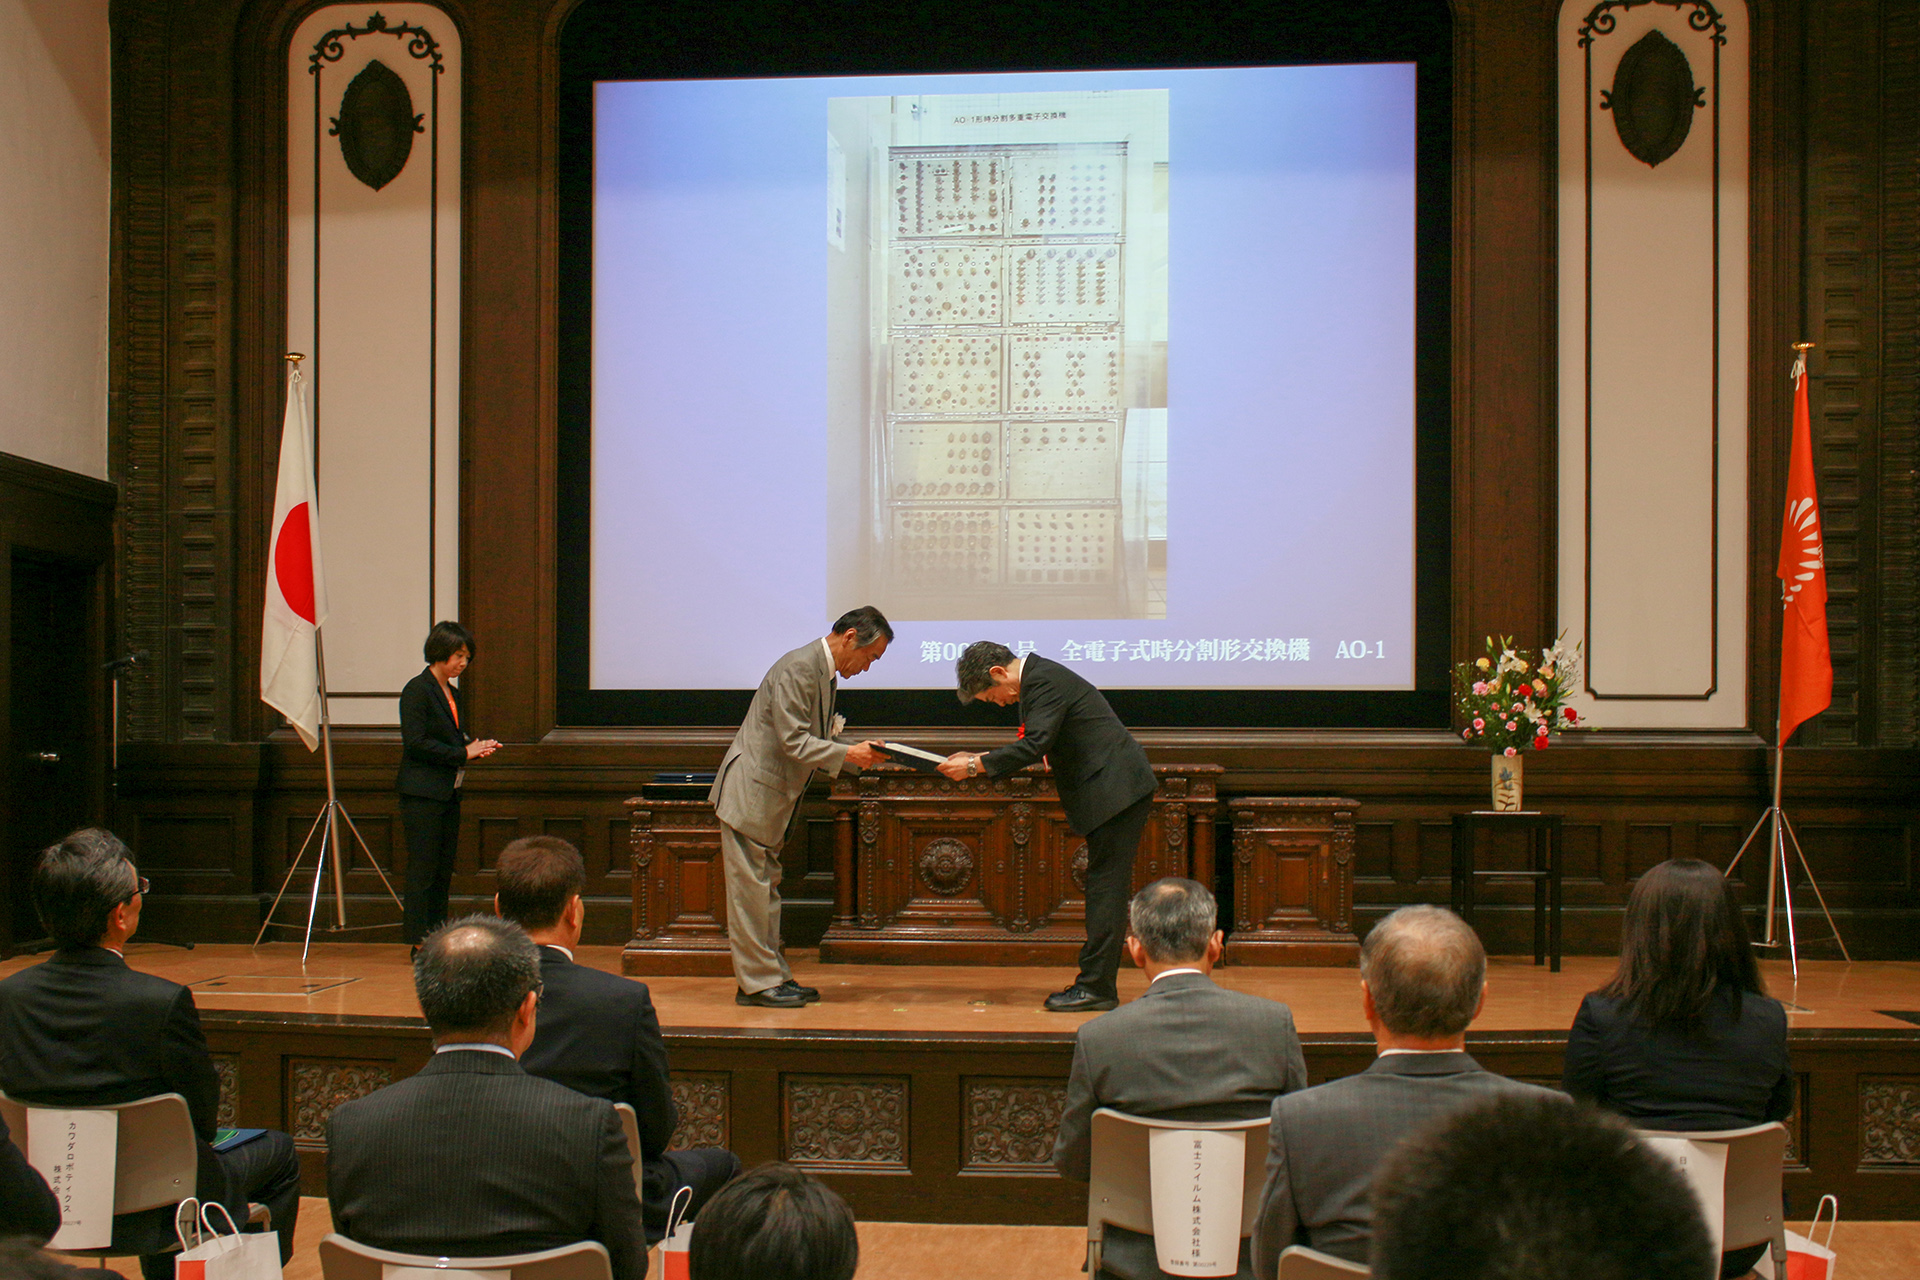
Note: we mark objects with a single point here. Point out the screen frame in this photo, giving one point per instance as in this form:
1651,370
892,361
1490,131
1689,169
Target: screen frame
613,40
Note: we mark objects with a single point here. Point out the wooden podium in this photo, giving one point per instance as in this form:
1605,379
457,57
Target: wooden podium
931,871
926,870
1293,882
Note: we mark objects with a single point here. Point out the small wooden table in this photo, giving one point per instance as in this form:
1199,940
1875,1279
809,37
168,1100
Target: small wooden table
1543,869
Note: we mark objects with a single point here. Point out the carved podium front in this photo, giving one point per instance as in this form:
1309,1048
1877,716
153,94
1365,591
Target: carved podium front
987,871
1292,881
926,870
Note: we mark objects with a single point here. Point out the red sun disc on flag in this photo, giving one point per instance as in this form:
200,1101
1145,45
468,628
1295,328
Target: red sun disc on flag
293,562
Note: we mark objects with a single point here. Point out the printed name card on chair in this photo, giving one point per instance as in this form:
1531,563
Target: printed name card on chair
1197,1177
75,1152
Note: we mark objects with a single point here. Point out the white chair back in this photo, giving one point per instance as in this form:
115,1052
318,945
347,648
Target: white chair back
1120,1180
1297,1262
630,1125
344,1259
1752,1212
156,1161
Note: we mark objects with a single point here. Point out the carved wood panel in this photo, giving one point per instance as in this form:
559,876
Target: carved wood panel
315,1086
227,1067
704,1101
1009,1125
1889,1121
856,1124
679,889
1293,881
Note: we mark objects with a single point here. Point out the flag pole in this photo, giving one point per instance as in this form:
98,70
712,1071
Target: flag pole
326,824
1780,830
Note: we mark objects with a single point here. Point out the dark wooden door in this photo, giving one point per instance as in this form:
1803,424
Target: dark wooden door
53,706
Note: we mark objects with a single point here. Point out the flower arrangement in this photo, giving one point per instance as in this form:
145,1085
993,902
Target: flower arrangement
1513,698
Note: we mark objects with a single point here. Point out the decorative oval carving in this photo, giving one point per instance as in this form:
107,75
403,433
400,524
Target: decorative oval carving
376,125
946,865
1078,868
1653,98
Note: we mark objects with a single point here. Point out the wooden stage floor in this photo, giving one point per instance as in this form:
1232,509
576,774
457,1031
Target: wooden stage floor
361,980
932,1094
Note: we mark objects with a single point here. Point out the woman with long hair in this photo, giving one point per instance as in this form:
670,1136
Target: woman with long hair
1685,1036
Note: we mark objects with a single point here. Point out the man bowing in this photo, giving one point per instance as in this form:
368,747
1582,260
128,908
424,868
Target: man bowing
790,731
1105,783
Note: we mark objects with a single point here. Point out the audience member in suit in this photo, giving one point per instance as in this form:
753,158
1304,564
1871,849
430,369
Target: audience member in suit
598,1033
775,1223
1528,1186
435,749
1105,785
1685,1035
472,1156
1423,976
27,1206
790,732
82,1029
1187,1049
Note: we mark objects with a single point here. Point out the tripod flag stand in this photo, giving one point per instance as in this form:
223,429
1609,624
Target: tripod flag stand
293,667
1806,664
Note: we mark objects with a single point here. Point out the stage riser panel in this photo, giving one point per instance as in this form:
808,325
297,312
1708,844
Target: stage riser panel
951,1128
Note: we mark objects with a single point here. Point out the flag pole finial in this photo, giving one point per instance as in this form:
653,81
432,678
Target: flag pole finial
1802,347
295,357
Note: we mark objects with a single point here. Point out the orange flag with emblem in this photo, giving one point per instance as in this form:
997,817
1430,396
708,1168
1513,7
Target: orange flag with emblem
1806,664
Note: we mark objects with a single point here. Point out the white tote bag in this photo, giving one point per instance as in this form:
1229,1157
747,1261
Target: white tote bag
205,1254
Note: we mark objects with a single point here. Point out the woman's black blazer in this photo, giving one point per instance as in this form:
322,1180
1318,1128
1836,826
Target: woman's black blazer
433,749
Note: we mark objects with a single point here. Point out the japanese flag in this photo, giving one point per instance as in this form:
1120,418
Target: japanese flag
1806,664
296,590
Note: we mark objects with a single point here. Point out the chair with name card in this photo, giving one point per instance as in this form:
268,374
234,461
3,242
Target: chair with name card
1747,1209
1297,1262
630,1125
155,1166
344,1259
1194,1187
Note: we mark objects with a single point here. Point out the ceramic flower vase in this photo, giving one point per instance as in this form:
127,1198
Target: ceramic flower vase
1506,784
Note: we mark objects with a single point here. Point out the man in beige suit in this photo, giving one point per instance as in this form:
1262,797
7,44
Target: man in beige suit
790,731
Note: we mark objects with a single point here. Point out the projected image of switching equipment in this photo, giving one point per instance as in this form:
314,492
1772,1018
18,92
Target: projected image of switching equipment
998,353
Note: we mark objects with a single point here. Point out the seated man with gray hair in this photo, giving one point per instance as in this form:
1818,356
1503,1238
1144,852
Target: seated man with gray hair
1186,1049
472,1156
1423,976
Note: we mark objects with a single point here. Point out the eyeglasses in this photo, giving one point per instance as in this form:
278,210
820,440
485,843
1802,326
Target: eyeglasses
140,888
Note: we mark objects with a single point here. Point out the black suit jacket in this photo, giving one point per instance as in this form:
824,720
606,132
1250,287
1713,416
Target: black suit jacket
82,1029
597,1034
27,1206
433,749
473,1157
1728,1073
1096,763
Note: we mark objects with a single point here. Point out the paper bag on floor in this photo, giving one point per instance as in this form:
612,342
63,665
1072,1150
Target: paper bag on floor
206,1254
1807,1260
673,1249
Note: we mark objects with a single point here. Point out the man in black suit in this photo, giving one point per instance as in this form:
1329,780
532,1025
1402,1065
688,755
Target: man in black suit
1104,780
1423,976
598,1033
83,1030
473,1157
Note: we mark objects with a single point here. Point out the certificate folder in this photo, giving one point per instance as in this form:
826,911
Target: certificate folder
912,757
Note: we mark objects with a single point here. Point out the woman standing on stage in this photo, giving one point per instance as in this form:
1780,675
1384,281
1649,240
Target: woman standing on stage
434,751
1685,1037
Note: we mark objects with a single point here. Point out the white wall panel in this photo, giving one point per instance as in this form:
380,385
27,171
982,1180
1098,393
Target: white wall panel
373,298
1653,356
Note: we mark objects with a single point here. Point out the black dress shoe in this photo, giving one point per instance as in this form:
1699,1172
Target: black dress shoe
771,998
1077,999
790,987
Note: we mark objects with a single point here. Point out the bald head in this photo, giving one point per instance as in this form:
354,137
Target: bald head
471,976
1425,969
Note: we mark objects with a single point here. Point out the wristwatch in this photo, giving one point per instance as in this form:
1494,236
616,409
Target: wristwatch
973,766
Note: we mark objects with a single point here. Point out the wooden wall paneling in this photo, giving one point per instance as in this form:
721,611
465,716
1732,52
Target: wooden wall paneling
1504,464
1897,675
